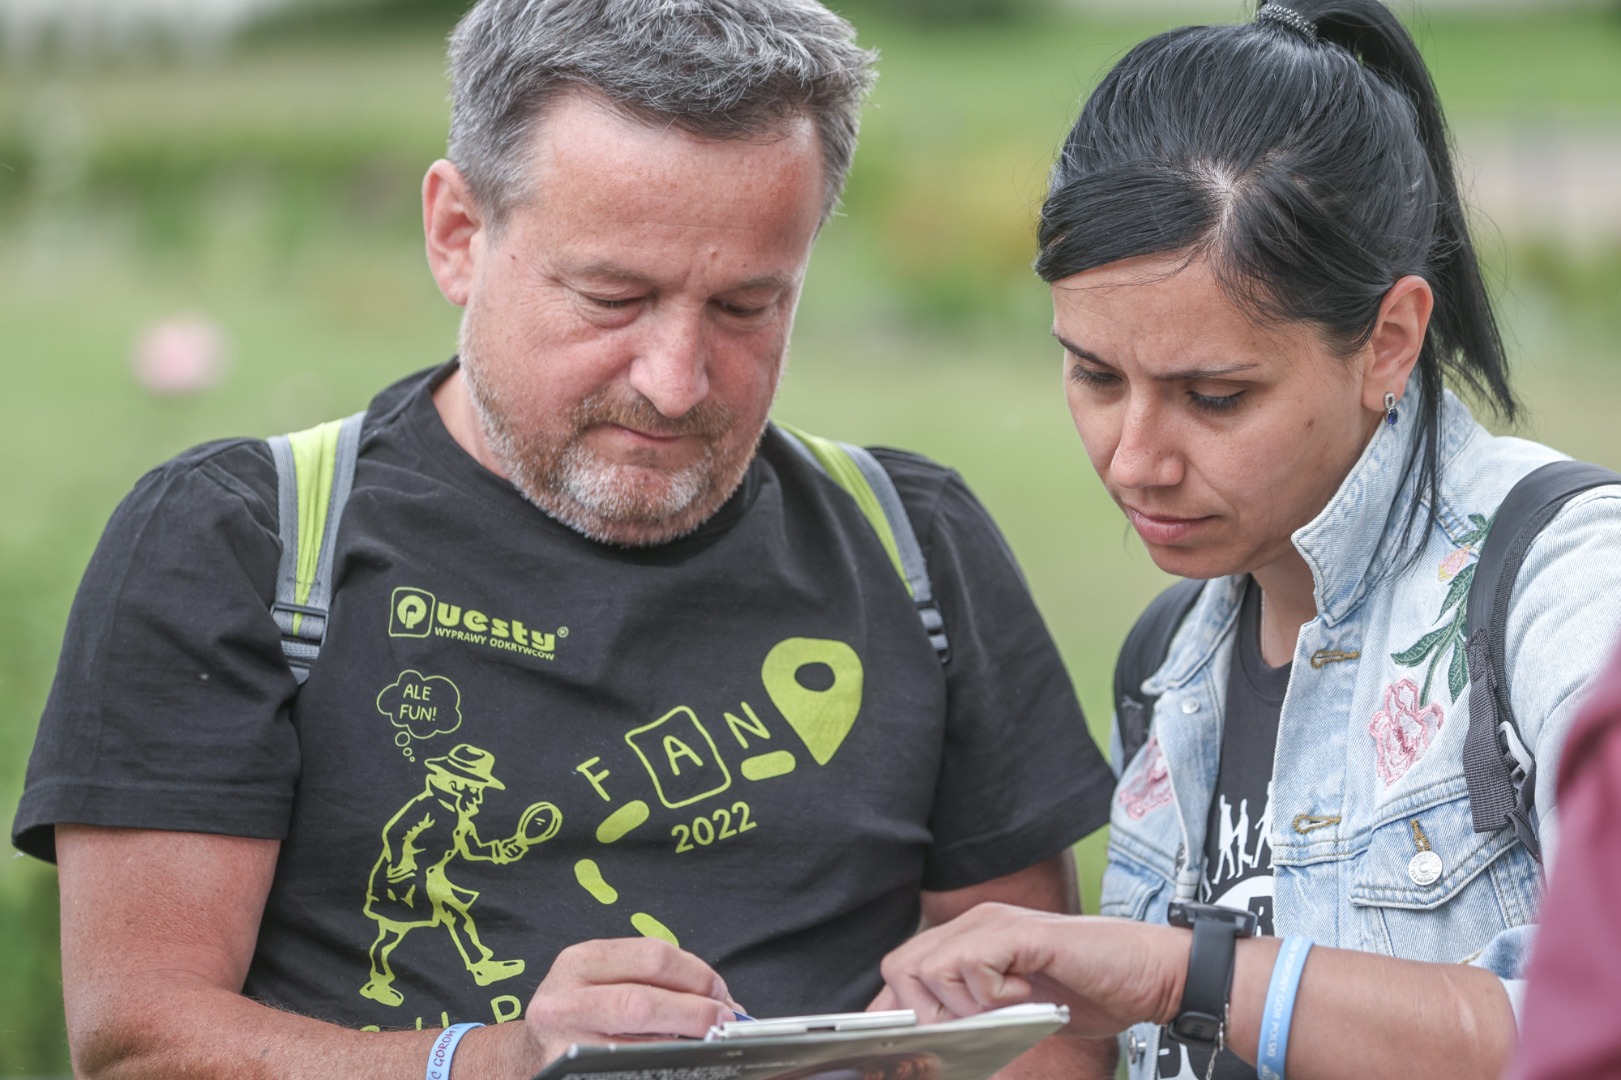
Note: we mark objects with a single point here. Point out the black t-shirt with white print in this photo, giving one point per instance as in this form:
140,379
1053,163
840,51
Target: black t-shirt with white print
1237,855
516,738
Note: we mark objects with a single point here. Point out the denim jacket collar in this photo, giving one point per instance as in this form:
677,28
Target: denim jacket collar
1348,550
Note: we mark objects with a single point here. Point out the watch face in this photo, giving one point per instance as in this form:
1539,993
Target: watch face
1196,1029
1183,913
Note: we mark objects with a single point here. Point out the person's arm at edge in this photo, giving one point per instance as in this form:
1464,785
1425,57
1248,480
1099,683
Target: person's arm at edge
158,929
1049,885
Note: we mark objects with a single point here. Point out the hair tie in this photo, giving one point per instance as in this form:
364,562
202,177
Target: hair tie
1288,17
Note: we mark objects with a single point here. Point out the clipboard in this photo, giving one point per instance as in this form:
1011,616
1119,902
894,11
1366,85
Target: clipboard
835,1046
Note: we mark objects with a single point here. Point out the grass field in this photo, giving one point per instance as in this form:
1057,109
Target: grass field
276,193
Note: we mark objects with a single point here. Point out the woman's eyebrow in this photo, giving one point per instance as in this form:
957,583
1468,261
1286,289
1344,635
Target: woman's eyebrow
1076,351
1185,375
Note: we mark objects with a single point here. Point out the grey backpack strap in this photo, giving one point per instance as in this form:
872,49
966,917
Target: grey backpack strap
1498,768
314,473
913,568
855,470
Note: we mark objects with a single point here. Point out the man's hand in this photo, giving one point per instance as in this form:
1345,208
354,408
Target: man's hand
625,989
507,851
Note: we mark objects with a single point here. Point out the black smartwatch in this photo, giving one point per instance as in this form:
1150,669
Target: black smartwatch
1201,1018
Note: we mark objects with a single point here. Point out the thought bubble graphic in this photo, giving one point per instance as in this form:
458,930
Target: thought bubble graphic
423,705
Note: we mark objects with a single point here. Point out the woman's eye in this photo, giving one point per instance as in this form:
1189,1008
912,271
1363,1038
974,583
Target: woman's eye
1220,403
1084,376
610,303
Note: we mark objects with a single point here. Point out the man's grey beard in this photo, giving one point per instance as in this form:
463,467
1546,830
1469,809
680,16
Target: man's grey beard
603,501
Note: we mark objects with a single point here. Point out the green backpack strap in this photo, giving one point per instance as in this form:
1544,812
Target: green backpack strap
855,470
314,472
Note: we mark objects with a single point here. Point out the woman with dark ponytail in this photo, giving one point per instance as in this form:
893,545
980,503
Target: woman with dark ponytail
1265,289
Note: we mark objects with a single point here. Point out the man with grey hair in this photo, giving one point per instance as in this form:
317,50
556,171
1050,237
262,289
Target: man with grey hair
584,590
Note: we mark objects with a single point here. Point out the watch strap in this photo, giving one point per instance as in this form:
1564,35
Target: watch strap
1202,1014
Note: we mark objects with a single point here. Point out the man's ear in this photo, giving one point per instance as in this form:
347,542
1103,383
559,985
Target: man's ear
454,227
1397,339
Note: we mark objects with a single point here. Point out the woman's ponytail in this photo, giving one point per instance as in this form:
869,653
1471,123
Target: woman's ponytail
1463,335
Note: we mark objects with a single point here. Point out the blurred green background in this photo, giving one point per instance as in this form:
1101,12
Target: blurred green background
268,186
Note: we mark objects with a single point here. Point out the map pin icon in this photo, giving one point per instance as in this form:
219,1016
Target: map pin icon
822,712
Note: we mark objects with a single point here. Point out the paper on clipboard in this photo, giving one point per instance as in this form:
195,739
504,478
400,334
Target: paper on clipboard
804,1025
830,1047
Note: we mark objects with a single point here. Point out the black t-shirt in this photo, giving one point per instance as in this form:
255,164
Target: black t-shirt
1237,854
517,738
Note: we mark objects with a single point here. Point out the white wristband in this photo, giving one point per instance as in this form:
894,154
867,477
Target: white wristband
444,1048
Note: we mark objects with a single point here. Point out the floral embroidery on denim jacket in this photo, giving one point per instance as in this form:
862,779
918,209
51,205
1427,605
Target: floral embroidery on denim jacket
1449,635
1402,731
1150,789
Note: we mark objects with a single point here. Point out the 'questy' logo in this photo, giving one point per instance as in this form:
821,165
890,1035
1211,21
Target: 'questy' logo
417,613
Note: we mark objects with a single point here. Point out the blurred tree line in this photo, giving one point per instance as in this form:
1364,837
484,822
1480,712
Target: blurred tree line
369,13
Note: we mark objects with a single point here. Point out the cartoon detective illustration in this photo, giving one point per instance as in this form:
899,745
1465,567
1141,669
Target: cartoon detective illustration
409,887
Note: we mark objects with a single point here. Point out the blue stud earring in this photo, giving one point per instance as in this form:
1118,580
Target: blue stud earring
1390,409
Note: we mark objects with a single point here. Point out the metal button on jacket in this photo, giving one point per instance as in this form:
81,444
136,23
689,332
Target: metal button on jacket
1424,868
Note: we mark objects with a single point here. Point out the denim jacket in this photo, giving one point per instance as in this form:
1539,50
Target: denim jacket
1368,769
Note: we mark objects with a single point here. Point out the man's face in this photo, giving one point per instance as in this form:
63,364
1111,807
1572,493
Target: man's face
465,796
626,327
469,797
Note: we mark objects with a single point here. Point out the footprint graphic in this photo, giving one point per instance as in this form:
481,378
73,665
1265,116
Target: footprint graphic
617,824
589,875
767,766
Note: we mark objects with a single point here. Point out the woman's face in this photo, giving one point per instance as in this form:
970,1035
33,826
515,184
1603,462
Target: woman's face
1217,435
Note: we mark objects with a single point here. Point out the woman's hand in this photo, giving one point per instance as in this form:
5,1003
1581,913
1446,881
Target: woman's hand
1111,973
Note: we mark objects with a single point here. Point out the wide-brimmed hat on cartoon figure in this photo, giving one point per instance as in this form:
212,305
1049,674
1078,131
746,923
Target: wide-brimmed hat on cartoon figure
467,762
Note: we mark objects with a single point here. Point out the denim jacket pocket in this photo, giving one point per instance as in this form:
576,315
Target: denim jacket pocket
1428,887
1129,887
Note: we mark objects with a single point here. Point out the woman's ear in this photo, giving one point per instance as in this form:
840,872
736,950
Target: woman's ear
1397,339
454,228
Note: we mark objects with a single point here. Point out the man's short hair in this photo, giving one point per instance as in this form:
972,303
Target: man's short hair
718,69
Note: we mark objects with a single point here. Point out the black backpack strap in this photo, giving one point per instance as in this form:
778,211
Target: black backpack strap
1141,655
1500,771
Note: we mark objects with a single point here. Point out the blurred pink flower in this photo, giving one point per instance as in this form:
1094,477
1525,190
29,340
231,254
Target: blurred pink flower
183,354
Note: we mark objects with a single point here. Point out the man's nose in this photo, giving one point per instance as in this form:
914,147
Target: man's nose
671,366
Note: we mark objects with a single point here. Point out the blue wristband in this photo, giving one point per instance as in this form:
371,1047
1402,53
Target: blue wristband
444,1048
1279,1011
